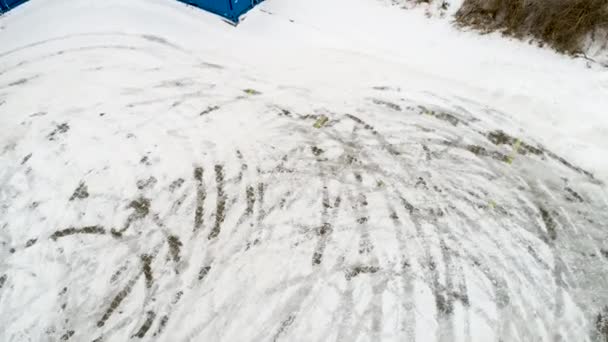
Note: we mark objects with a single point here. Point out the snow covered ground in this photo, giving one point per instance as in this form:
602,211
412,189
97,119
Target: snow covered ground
325,171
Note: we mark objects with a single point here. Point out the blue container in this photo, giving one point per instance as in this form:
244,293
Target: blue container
229,9
6,5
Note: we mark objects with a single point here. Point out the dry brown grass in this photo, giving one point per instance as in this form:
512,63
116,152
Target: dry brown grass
563,24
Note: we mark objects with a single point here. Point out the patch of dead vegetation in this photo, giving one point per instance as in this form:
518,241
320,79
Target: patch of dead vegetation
562,24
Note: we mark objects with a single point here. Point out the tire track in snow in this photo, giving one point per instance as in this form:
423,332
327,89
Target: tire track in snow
430,211
220,211
201,194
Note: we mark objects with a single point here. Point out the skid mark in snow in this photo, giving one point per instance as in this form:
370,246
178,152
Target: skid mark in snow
120,297
146,325
84,230
174,247
81,192
200,198
221,203
220,210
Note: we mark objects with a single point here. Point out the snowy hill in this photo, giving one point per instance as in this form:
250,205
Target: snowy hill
325,171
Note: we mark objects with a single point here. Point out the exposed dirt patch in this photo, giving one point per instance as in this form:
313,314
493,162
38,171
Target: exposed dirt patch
569,165
358,177
209,110
220,209
462,297
420,182
203,272
407,205
284,112
81,192
550,223
117,274
261,192
324,229
443,116
283,327
178,296
141,207
501,138
523,148
478,150
115,303
387,104
145,160
146,183
601,325
67,335
326,204
174,247
147,324
244,166
435,212
146,264
444,301
200,198
26,158
362,220
350,160
176,184
573,195
482,152
115,233
365,245
433,8
18,82
316,151
157,39
363,200
250,194
382,88
393,216
60,129
317,257
99,230
161,325
362,123
443,304
357,270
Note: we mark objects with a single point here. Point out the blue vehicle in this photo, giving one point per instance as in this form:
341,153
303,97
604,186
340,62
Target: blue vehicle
229,9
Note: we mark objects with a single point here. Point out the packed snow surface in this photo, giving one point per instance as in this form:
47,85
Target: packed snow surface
325,171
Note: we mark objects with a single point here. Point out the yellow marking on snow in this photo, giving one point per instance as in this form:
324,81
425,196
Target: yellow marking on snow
492,204
251,92
321,121
515,151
